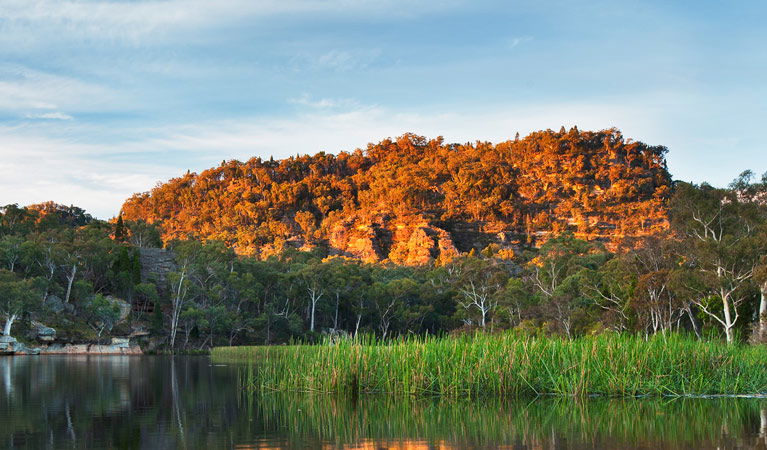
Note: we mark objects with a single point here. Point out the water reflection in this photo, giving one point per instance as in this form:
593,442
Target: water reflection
162,402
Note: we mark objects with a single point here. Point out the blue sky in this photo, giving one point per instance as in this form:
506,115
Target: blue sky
101,99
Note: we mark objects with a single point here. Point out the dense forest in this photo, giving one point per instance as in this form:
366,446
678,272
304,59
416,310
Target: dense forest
567,233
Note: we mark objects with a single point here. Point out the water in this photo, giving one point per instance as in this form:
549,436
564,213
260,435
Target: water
187,402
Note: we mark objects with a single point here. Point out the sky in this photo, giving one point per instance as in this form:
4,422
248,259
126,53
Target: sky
103,99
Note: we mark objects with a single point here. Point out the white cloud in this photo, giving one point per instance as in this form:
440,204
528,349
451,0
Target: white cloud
36,169
50,116
132,21
516,41
323,103
337,60
25,89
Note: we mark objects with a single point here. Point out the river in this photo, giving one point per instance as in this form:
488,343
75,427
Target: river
161,402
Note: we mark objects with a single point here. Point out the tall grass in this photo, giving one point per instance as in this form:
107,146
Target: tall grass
507,365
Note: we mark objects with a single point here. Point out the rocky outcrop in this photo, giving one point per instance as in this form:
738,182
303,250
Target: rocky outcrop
10,346
122,305
409,240
56,305
118,346
156,263
41,332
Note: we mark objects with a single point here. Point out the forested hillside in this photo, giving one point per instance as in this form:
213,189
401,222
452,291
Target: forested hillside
413,201
407,237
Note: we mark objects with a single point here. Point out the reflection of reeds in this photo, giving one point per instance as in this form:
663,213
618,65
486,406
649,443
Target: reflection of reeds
508,365
540,423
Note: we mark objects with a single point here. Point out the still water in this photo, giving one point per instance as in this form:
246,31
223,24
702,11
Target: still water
158,402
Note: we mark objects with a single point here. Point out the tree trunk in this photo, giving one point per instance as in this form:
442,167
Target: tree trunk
335,317
311,323
70,280
763,425
763,315
357,326
728,322
176,312
9,324
693,322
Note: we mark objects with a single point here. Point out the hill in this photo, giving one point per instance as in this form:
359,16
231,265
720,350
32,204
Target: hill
413,200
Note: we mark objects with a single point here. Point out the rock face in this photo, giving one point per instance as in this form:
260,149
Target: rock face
125,307
57,305
155,265
119,346
42,332
409,240
10,346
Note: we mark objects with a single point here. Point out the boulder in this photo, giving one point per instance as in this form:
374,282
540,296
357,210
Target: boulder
55,304
138,332
120,342
7,339
42,332
7,343
125,307
10,346
21,349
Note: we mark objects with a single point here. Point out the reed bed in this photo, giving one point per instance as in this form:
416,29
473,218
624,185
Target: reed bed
507,365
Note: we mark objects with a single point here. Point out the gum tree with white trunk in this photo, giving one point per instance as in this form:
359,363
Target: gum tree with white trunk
720,248
17,296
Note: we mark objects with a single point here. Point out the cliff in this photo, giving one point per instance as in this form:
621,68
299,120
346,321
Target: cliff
413,201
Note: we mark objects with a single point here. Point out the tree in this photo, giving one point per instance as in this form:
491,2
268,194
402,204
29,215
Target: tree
120,231
721,249
479,282
613,288
11,248
100,313
17,296
315,278
391,300
142,234
559,274
761,327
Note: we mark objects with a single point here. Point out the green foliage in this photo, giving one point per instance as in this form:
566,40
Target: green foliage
18,296
709,264
596,184
100,313
510,364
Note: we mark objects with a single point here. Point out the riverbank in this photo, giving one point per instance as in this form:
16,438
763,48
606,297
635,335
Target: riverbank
10,346
507,365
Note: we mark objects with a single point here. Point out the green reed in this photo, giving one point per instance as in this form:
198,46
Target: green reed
507,365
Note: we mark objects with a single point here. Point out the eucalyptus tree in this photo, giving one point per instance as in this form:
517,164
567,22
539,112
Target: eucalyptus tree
558,275
479,283
11,248
755,192
17,296
720,247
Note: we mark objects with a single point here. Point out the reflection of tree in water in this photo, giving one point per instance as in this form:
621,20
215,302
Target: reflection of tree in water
78,402
163,402
538,423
